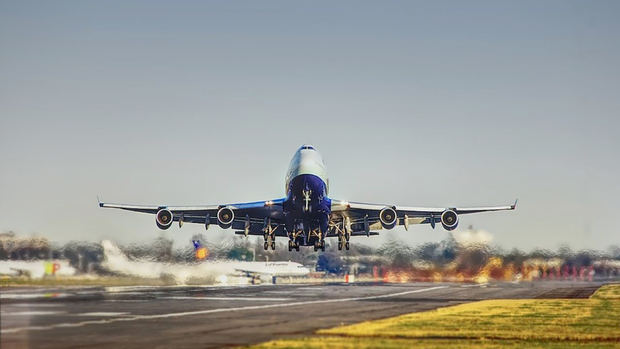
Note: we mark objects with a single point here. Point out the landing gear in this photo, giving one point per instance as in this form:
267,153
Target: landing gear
270,236
343,231
269,242
319,245
294,240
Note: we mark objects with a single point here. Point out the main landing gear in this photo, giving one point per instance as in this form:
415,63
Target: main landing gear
344,233
270,235
293,246
319,245
269,243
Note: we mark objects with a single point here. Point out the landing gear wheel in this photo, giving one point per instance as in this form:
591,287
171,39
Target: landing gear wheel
290,245
273,245
339,246
346,246
323,245
297,248
316,247
266,245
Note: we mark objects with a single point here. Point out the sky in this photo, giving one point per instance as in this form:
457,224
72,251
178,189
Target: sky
416,103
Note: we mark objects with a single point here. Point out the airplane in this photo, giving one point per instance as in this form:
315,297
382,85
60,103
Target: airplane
256,270
116,261
306,215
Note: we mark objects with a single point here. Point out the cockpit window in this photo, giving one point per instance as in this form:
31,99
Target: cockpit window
307,147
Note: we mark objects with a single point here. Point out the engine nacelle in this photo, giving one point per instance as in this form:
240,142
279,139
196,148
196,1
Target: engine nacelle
164,219
449,219
388,218
225,217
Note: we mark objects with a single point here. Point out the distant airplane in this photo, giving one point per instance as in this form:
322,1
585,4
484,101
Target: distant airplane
306,216
116,261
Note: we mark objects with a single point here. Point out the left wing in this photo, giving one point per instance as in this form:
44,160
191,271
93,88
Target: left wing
364,217
250,217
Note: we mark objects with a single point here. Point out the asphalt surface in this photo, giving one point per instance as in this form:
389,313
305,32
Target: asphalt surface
210,317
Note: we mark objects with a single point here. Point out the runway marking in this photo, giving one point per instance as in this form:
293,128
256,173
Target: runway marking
32,313
476,285
211,311
310,288
102,313
228,298
34,295
35,305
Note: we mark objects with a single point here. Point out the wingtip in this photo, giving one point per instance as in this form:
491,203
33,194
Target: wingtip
515,204
99,201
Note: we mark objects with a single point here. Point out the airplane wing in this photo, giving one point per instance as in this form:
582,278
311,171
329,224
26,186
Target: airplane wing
250,215
364,217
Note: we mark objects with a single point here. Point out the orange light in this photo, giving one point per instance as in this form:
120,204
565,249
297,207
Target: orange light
202,253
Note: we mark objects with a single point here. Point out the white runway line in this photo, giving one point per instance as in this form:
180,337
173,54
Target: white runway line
311,288
35,305
211,311
32,313
33,295
228,298
102,313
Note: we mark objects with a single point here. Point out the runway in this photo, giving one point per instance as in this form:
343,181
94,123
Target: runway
211,317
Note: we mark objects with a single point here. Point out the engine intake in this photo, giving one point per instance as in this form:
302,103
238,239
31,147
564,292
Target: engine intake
449,219
225,217
388,218
164,219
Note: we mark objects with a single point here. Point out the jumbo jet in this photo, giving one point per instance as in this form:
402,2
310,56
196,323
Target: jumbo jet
307,215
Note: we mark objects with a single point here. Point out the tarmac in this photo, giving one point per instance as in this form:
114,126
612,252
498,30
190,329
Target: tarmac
224,316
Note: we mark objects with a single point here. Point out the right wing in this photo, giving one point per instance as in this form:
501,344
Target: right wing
253,215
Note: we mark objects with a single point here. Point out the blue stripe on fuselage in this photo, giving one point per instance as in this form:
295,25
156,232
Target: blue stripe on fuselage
318,203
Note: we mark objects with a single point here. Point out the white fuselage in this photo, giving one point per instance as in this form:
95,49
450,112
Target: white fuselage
306,161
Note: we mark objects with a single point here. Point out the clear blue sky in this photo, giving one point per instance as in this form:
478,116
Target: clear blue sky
412,103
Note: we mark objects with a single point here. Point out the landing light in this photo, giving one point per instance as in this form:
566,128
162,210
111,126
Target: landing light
268,203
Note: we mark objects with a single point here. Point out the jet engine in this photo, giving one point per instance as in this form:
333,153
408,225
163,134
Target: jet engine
225,217
449,219
388,218
164,219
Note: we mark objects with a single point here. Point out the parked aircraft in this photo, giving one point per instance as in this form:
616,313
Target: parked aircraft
116,261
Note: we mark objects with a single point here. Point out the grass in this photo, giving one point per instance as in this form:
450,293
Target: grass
525,323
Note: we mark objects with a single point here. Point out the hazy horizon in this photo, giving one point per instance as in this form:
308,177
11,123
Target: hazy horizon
410,103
